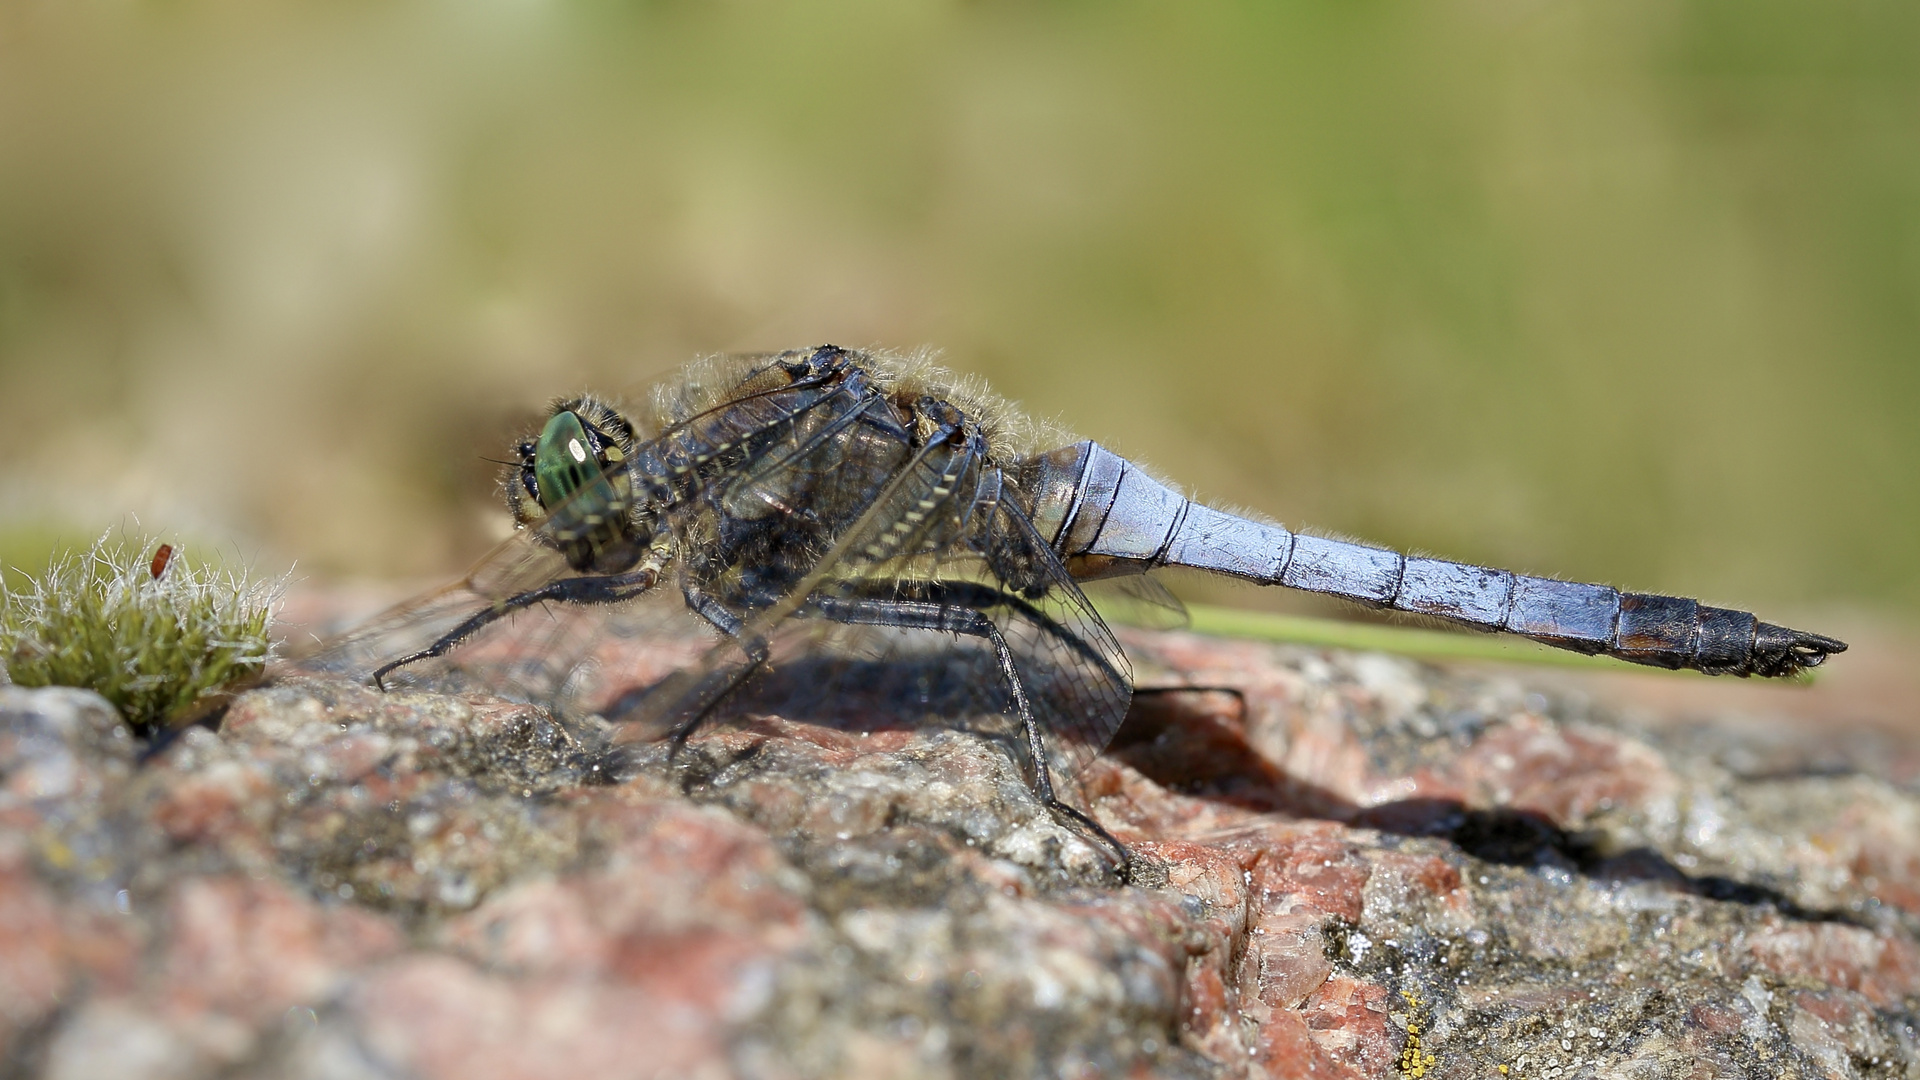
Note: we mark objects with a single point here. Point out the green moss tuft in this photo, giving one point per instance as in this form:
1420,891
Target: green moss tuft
156,648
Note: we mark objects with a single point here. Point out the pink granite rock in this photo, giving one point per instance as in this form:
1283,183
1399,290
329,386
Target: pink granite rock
1354,866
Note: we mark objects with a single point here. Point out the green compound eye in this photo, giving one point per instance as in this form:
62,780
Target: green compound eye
564,462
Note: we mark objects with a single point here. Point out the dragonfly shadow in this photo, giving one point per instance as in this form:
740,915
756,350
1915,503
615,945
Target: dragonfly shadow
1192,740
856,695
1187,742
873,695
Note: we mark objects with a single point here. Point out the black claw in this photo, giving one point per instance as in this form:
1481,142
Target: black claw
1123,859
380,673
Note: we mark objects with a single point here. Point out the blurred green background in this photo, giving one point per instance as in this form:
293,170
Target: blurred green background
1619,290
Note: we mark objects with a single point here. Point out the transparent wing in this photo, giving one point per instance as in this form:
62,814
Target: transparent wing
1076,674
897,500
518,565
860,677
1137,600
770,405
906,640
903,622
819,465
556,654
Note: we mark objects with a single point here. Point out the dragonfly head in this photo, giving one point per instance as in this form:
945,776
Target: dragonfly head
572,484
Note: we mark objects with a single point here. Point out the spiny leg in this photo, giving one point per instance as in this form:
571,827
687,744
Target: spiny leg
757,655
1043,774
607,589
729,624
926,615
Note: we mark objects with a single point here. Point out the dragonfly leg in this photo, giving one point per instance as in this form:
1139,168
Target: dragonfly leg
637,708
716,613
925,615
709,700
606,589
730,624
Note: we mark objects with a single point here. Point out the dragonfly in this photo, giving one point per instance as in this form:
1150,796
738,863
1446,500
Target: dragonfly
872,525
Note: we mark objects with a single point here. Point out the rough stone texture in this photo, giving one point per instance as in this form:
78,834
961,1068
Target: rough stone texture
1353,866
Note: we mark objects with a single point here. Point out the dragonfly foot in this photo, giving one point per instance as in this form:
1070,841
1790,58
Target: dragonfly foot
1122,858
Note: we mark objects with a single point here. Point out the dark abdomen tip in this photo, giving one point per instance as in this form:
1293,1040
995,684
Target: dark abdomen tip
1779,651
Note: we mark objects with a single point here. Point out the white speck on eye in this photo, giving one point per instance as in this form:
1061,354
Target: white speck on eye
579,452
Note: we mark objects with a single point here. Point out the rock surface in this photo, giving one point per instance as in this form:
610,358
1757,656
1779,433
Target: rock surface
1350,866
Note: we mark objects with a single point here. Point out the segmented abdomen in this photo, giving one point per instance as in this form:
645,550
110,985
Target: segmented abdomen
1107,516
1664,631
